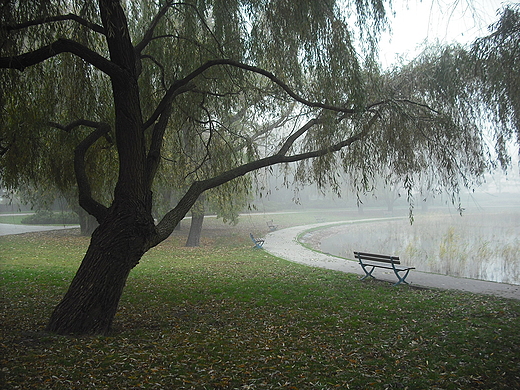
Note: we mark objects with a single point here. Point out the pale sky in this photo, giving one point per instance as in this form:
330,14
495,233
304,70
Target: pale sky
444,21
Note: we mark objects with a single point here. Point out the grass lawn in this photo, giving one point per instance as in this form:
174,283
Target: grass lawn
20,220
12,218
226,316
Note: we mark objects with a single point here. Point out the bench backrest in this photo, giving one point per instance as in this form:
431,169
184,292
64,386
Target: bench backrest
373,257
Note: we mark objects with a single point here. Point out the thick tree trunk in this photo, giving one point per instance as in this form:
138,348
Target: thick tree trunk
197,220
90,304
127,228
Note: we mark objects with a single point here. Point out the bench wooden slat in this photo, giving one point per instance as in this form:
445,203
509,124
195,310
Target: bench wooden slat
376,257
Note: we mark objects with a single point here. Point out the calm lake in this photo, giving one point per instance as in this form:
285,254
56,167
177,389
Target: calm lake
484,246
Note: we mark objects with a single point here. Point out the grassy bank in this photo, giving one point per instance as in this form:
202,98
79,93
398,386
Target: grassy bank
225,316
12,218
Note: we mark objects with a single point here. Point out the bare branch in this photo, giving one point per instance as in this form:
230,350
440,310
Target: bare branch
168,223
86,200
420,105
157,139
207,154
177,88
297,134
93,26
72,125
148,36
31,58
161,67
204,23
338,146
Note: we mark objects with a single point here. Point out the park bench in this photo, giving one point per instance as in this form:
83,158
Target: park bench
371,261
259,242
272,227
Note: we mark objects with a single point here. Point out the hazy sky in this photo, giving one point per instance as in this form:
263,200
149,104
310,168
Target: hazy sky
446,21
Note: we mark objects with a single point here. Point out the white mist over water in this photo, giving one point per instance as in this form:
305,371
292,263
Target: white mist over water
485,246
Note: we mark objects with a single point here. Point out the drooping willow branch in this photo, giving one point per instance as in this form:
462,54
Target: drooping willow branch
170,220
250,68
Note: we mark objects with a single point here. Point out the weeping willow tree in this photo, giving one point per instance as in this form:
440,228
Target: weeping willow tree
156,80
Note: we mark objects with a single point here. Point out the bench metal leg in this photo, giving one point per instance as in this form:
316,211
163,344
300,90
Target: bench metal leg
401,279
368,273
258,244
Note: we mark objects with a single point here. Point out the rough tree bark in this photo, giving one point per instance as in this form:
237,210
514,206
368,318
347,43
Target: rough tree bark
197,220
116,247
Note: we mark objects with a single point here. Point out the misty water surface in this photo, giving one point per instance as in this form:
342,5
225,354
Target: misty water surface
485,246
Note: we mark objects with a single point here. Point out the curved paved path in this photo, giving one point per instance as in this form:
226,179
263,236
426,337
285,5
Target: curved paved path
283,243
